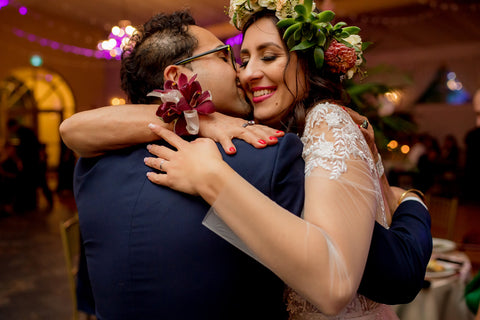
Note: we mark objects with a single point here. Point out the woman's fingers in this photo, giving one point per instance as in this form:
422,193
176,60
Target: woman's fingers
160,151
228,145
158,178
262,135
156,163
366,129
171,137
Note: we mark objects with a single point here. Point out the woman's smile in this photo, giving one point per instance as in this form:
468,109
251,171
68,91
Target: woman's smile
262,93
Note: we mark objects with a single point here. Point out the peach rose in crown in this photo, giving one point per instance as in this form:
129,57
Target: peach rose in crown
340,58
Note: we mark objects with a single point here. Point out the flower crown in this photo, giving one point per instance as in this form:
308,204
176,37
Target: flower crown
338,46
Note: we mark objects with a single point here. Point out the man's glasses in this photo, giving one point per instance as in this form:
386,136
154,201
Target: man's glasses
227,49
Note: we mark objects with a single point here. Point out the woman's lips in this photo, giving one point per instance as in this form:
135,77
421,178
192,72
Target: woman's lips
262,93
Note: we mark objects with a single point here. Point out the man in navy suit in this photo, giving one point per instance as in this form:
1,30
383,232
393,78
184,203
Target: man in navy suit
148,255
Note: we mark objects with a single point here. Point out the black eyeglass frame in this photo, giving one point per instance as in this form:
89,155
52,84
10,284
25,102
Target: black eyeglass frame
226,46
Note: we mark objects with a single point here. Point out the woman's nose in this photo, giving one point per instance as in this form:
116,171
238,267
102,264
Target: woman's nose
250,73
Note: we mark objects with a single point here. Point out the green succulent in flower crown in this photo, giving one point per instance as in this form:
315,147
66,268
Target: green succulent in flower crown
338,45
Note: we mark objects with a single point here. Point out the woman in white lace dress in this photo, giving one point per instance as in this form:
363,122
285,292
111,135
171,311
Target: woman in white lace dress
322,255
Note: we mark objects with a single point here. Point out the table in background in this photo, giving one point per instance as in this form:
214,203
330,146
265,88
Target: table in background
443,300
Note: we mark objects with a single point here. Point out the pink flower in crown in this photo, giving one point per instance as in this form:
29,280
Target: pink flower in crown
181,96
340,58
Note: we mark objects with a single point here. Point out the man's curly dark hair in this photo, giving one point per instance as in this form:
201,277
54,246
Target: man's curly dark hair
160,42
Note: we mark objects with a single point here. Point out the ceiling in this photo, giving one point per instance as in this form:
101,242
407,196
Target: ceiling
393,26
208,13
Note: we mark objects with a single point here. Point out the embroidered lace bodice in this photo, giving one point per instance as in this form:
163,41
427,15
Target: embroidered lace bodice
331,148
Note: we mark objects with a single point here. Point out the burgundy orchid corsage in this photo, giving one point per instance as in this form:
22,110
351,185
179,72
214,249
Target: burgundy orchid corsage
182,102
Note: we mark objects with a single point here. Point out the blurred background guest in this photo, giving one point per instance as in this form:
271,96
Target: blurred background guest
28,151
472,157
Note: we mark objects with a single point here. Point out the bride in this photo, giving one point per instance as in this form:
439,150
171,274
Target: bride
292,74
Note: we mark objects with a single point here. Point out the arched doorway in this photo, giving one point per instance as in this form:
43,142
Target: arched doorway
39,99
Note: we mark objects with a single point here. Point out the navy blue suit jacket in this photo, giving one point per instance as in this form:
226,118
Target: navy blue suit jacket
150,257
398,257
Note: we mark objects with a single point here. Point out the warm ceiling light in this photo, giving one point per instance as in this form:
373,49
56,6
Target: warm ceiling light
117,39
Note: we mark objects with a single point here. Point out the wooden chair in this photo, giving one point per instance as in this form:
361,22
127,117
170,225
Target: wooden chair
443,212
70,233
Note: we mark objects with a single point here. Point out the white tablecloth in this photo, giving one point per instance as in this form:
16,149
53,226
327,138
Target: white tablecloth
443,300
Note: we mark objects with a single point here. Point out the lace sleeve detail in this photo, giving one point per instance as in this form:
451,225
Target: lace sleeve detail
330,139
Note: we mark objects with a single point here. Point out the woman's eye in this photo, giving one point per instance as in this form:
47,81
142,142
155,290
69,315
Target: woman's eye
269,58
243,64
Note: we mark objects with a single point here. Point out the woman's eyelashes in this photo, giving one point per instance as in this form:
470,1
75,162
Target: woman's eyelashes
266,58
269,58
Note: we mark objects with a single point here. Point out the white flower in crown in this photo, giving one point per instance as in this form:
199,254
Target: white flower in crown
241,10
356,41
286,8
269,4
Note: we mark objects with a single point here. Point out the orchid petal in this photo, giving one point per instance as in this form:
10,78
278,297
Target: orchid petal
206,107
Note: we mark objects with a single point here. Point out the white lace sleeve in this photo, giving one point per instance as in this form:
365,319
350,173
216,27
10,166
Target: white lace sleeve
342,195
330,139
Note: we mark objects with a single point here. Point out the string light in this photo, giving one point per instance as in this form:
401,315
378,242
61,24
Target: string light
405,149
117,39
3,3
22,10
392,145
112,48
117,101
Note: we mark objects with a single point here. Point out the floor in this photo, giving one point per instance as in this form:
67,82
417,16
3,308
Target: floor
33,278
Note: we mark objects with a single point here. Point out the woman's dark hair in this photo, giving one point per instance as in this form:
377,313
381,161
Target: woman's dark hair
160,42
321,84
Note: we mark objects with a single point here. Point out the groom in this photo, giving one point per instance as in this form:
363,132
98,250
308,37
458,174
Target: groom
147,253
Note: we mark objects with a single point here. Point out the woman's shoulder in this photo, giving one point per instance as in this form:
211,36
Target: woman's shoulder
331,112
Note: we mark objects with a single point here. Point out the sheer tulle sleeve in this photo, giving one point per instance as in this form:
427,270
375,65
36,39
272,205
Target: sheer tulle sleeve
323,255
342,194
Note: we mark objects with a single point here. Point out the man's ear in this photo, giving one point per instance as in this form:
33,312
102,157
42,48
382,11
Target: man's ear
172,72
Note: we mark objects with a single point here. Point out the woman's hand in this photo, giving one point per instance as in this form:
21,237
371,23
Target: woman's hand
368,132
190,168
222,128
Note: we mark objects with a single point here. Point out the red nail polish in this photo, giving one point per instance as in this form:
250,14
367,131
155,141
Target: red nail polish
262,141
344,108
273,138
232,149
279,131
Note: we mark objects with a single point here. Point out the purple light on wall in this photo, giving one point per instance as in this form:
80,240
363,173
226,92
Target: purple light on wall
18,32
98,54
88,52
235,40
54,45
22,10
48,77
3,3
67,48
